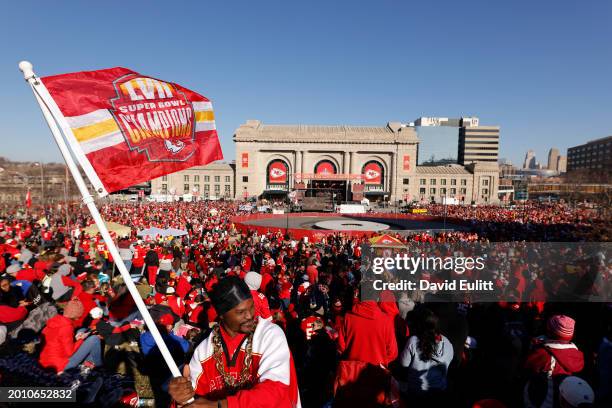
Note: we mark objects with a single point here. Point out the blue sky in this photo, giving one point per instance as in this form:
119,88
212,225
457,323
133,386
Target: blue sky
542,70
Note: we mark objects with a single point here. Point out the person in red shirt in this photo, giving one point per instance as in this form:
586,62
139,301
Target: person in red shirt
87,298
138,259
31,275
312,272
196,312
311,324
366,341
183,287
556,346
301,290
255,369
262,308
245,263
12,305
367,335
60,350
266,281
285,292
47,237
176,304
388,305
552,358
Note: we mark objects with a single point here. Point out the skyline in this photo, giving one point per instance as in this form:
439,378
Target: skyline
539,71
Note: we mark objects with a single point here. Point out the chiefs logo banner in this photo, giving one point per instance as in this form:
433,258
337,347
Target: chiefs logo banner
373,173
277,172
132,128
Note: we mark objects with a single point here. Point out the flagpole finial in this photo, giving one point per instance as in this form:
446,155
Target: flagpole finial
27,69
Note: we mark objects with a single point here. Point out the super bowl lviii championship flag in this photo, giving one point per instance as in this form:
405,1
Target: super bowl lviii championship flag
124,128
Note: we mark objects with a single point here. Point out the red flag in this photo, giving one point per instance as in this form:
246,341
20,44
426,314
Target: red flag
127,128
28,201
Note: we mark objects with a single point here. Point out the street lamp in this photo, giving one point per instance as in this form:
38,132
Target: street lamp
444,200
66,205
42,182
288,202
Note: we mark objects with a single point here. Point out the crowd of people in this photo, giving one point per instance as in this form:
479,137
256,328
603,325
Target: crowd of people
266,320
531,221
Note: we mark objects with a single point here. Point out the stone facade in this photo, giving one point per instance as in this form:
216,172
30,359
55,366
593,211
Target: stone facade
213,181
349,148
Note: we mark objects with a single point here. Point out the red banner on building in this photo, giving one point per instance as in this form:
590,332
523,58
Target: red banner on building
327,176
372,173
245,160
277,172
406,162
325,167
126,128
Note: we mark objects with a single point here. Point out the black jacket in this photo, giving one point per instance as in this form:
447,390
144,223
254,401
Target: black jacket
151,258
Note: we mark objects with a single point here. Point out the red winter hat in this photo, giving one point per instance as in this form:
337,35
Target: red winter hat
561,327
166,319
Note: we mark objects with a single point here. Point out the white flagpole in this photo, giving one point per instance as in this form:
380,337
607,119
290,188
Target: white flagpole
41,94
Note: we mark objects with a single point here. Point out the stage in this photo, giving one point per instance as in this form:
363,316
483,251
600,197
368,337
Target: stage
316,225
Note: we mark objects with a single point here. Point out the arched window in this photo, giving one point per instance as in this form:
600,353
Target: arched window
373,172
277,172
325,167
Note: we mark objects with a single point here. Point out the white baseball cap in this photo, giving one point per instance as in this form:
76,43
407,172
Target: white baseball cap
96,313
575,391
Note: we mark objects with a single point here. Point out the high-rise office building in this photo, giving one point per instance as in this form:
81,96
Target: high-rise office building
474,143
530,160
562,164
553,158
594,156
478,144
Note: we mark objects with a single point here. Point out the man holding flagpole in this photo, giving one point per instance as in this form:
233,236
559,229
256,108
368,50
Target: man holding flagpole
124,128
244,362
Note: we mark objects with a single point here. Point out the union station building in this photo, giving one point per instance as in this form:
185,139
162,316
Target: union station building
350,162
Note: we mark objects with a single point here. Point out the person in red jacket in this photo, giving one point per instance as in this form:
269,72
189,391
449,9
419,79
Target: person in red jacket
312,272
367,335
31,275
388,305
260,373
87,298
176,303
366,341
196,312
9,314
558,346
62,349
552,358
